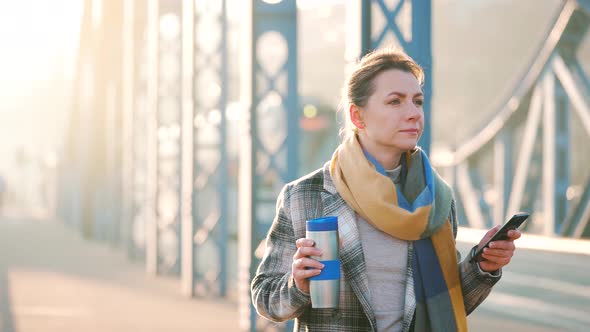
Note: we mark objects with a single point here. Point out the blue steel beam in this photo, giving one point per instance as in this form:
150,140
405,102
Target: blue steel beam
577,223
163,136
421,49
417,43
577,69
533,179
169,136
568,46
206,117
549,157
479,186
575,86
582,220
461,214
555,154
269,147
573,35
524,163
469,197
562,154
585,6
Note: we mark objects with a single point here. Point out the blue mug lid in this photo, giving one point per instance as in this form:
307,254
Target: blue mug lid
329,223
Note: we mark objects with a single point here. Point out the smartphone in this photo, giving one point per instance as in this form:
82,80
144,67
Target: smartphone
502,233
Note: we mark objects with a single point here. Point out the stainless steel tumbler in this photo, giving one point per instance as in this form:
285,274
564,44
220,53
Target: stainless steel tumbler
324,288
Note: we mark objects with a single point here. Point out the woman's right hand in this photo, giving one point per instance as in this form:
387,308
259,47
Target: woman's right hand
302,261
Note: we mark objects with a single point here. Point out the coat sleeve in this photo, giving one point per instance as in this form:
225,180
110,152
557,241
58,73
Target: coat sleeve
476,284
273,289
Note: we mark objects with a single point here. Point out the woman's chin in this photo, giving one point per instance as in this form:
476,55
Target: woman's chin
408,145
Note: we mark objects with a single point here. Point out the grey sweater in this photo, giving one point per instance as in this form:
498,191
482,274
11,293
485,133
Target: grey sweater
386,259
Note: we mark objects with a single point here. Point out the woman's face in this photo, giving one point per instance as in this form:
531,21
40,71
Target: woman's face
393,118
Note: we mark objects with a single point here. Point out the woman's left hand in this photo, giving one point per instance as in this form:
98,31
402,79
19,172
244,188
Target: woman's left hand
499,253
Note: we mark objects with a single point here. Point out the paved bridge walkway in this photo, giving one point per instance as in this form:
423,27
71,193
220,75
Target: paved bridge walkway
52,280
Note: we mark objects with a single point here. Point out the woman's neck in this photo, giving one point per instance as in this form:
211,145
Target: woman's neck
388,157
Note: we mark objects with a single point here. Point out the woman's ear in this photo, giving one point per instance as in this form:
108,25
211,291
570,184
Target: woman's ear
356,116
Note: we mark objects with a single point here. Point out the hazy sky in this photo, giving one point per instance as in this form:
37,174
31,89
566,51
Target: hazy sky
37,38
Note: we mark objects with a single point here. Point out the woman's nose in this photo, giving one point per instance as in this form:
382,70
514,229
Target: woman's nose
414,112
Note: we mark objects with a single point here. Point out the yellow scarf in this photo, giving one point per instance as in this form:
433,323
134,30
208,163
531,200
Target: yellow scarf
374,197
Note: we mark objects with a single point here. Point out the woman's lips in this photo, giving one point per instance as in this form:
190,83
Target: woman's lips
410,131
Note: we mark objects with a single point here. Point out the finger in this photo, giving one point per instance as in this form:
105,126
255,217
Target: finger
497,258
304,274
514,234
502,245
492,230
304,263
307,251
490,233
498,253
304,242
498,261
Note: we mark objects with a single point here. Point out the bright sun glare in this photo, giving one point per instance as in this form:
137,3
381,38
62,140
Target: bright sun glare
35,34
38,40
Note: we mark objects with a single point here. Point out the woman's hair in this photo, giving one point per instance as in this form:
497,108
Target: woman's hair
360,86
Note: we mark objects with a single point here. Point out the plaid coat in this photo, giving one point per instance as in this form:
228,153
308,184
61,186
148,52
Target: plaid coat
274,293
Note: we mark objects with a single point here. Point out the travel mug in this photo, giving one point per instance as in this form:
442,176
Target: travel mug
324,288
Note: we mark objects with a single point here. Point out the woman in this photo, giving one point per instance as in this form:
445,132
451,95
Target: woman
396,219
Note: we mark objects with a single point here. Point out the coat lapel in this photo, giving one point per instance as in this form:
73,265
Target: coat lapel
351,253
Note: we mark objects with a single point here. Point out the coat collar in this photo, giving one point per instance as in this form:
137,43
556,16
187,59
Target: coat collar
351,254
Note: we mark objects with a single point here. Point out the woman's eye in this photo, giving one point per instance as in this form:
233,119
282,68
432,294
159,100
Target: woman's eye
419,102
395,102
